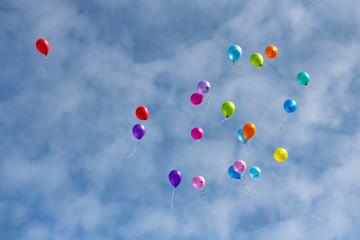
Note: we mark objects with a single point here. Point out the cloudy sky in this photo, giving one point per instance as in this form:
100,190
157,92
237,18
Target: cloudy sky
65,138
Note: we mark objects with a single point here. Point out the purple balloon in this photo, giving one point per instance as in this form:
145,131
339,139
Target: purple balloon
196,98
175,177
197,133
203,87
139,131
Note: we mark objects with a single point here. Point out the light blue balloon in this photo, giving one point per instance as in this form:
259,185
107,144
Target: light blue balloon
254,172
241,135
234,52
290,105
234,174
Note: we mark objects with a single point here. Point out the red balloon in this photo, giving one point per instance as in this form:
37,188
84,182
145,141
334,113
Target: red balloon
142,113
43,46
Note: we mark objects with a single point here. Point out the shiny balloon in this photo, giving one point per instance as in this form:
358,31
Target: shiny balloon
139,131
271,52
142,113
249,130
303,78
290,106
198,182
175,177
196,98
197,133
280,154
204,87
43,46
257,60
240,135
234,52
228,108
254,172
239,166
234,174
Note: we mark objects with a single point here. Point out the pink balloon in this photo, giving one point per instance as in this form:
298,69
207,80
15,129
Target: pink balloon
196,98
198,182
240,166
197,133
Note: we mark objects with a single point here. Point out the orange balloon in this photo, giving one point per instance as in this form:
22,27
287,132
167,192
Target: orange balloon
249,130
271,51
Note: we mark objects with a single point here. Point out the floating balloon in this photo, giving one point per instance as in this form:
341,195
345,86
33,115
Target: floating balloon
241,135
249,130
198,182
142,113
280,154
254,172
233,173
197,133
196,98
240,166
303,78
203,87
139,131
42,46
228,108
290,105
175,177
271,52
234,52
257,60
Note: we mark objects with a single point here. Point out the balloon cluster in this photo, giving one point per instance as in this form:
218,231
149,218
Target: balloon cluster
203,88
238,169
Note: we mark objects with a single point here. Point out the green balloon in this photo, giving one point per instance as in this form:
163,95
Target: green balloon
257,59
228,108
303,78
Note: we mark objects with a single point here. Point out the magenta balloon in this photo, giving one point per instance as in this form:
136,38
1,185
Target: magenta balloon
198,182
175,177
203,87
240,166
196,98
139,131
197,133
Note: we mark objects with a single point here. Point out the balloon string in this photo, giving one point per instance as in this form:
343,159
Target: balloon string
243,179
172,200
282,125
208,101
247,152
204,199
153,126
261,71
134,150
313,88
196,149
44,72
234,70
251,152
252,184
218,125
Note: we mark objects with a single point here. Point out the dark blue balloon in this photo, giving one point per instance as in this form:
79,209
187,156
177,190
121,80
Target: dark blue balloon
233,174
290,105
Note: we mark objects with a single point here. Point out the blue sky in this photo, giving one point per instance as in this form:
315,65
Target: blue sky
64,139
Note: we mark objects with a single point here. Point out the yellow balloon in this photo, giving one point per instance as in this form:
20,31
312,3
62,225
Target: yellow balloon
280,154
